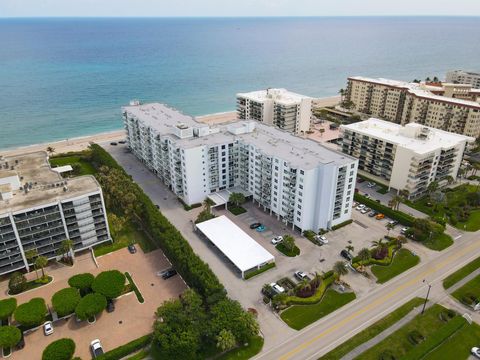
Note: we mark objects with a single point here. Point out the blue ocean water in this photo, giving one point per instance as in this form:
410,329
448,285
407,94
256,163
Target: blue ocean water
61,78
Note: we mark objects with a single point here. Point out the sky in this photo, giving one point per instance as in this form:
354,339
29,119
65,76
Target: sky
167,8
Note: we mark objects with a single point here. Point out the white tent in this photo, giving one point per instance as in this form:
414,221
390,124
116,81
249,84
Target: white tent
243,251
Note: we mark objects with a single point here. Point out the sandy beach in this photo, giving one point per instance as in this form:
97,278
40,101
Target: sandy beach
81,143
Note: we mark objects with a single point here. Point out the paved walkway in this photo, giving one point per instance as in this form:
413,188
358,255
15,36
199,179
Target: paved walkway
384,334
462,282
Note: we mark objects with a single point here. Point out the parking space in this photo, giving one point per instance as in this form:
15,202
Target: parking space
130,319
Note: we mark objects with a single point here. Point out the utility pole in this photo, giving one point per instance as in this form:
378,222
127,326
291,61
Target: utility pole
428,293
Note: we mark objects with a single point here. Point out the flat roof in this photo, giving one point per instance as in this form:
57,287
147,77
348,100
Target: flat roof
406,135
44,184
244,252
279,95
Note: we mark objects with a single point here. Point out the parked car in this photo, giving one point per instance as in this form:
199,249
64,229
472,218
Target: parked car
132,249
379,216
360,207
96,348
169,273
345,254
122,142
277,240
373,213
260,228
365,210
476,352
158,207
110,306
321,239
393,223
371,184
277,288
300,275
404,230
360,180
255,225
355,204
48,328
113,143
367,196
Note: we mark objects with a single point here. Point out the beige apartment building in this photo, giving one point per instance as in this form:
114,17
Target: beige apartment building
442,107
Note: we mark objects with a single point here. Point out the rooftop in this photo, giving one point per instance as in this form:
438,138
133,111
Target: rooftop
43,185
420,138
274,142
280,95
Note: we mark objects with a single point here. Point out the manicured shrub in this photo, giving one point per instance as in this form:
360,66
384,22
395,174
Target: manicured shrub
65,301
345,223
32,313
124,350
9,336
82,282
62,349
90,305
17,283
109,283
7,307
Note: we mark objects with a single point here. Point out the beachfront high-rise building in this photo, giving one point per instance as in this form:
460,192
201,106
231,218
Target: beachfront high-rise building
303,183
39,209
406,157
464,77
402,103
278,107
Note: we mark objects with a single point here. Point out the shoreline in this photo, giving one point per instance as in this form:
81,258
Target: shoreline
82,142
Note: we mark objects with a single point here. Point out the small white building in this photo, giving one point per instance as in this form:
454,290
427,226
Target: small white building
278,107
406,157
239,247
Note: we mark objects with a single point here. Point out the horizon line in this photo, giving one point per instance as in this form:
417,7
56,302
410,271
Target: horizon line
232,16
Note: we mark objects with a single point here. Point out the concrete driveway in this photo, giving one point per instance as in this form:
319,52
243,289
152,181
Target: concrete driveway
129,321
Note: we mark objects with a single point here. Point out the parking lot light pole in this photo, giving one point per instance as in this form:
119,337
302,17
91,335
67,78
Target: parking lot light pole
428,293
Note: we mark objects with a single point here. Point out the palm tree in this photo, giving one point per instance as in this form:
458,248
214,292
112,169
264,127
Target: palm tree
289,242
396,200
340,269
41,262
378,243
432,187
65,247
342,93
389,227
450,179
349,248
30,255
404,194
364,254
304,285
50,150
236,198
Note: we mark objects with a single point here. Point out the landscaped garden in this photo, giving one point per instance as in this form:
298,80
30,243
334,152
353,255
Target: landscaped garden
419,337
373,330
461,273
288,247
460,206
403,260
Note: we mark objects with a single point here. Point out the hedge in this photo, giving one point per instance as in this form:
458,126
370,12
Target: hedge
109,283
326,282
81,281
7,307
193,270
383,262
9,336
124,350
62,349
134,288
259,271
65,301
435,339
338,226
90,305
401,217
32,313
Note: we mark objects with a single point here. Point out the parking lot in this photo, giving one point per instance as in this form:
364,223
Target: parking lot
130,319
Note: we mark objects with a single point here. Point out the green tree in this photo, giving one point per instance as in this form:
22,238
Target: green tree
450,179
116,224
65,301
30,255
65,248
50,150
41,262
9,336
17,283
90,305
62,349
350,248
389,227
109,283
82,282
364,254
340,269
432,187
289,242
32,313
226,340
7,307
236,198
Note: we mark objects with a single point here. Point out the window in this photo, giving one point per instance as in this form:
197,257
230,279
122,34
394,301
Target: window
298,219
302,172
299,213
300,186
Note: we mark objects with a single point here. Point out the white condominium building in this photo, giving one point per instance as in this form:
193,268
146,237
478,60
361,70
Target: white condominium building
39,209
403,102
278,107
300,181
464,77
406,157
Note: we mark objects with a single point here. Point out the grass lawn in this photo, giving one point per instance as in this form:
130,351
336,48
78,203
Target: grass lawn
402,261
473,223
244,352
281,247
85,168
470,288
398,342
299,316
439,243
458,346
372,330
131,233
461,273
236,210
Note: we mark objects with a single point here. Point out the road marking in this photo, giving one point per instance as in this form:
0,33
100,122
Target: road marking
379,301
458,237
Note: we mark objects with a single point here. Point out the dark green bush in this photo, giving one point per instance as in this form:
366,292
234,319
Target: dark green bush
7,307
32,313
109,283
82,282
65,301
62,349
338,226
124,350
135,288
17,283
9,336
90,305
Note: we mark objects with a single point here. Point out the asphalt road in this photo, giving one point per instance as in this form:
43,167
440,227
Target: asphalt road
329,332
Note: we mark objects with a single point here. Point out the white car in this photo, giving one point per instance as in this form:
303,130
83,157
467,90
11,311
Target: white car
403,230
321,239
96,347
277,288
371,184
277,240
300,275
48,328
360,207
475,352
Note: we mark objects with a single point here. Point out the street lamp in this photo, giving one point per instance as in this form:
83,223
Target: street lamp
428,293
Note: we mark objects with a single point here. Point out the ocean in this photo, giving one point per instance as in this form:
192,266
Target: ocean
68,77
